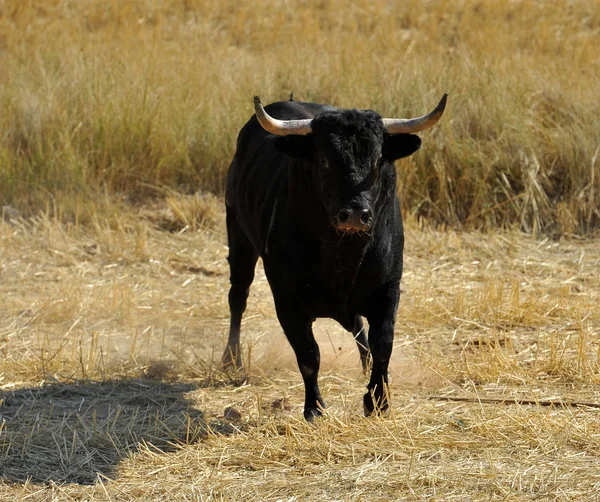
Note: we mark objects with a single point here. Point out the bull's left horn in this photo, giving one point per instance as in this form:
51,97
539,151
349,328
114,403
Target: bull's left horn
405,126
280,127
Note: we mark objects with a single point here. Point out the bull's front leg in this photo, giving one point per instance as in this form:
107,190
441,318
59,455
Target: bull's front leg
381,317
298,330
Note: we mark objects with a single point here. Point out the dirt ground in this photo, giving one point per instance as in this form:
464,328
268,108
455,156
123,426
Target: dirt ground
110,336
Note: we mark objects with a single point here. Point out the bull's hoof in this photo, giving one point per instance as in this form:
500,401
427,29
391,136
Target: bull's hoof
311,413
374,404
313,410
231,360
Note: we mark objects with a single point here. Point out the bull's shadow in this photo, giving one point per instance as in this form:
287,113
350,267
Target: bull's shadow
75,432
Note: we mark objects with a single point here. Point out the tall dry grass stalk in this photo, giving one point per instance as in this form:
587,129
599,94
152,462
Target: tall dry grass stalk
120,97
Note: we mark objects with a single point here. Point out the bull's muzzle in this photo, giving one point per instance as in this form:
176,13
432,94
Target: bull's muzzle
353,220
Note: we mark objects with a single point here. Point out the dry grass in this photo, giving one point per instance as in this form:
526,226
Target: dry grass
102,97
109,331
115,304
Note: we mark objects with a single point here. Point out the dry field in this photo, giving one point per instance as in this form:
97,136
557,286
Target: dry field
118,123
109,333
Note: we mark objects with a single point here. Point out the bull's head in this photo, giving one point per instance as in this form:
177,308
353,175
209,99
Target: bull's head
352,153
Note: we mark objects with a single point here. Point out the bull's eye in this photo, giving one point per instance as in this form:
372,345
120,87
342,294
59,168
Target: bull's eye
377,164
375,170
377,161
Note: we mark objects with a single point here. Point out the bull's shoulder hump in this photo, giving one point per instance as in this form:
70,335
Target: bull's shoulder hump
292,110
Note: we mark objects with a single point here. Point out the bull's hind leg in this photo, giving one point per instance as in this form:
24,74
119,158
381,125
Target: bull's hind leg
360,337
242,262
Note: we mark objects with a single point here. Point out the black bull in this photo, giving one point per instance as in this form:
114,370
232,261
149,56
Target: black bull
316,199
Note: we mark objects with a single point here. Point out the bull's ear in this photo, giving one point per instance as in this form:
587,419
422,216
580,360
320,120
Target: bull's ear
400,145
298,147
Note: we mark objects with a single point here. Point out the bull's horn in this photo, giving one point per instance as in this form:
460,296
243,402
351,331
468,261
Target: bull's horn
280,127
405,126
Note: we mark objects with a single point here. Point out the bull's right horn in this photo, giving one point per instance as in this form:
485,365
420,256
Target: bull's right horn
280,127
405,126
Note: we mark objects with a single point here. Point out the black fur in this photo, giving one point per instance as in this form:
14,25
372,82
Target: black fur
284,198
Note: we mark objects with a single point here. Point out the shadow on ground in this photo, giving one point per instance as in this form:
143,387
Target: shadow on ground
74,432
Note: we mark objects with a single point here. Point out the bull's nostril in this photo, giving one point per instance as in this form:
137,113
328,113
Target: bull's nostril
343,215
366,216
